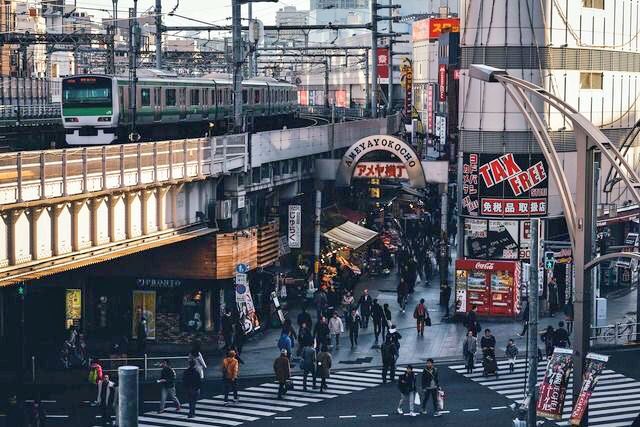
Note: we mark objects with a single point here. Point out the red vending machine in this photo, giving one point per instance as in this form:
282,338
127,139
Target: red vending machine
492,286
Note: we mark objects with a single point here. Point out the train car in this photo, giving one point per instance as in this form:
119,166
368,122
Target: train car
95,108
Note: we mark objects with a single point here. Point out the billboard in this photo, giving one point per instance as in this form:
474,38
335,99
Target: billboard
430,106
406,80
497,239
553,389
504,185
383,62
294,221
430,29
442,82
595,366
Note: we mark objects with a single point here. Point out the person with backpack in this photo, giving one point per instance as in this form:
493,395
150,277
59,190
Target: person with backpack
430,386
561,336
192,382
230,370
308,366
420,314
407,386
395,337
389,354
282,370
377,316
471,321
167,383
106,396
324,367
284,344
511,352
354,322
95,376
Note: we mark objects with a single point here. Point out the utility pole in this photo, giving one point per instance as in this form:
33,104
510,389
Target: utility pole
367,87
316,243
326,82
390,62
133,66
158,19
444,238
532,336
236,23
373,93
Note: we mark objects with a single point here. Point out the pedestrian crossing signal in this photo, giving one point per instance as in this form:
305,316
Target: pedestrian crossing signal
549,260
20,290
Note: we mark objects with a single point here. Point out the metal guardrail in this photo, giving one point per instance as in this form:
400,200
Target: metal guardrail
147,365
30,112
38,175
339,111
619,333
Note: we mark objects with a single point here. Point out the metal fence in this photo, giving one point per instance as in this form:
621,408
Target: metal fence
150,367
33,111
620,333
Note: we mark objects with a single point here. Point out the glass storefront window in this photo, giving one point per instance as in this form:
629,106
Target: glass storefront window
192,313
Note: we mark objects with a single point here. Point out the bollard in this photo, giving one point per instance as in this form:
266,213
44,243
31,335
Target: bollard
128,396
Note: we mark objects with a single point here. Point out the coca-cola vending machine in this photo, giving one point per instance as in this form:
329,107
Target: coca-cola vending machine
492,286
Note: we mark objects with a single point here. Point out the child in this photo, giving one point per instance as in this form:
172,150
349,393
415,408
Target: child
511,352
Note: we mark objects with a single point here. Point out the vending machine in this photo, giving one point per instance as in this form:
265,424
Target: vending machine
492,286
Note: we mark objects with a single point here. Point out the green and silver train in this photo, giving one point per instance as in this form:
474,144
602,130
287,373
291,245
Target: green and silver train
95,107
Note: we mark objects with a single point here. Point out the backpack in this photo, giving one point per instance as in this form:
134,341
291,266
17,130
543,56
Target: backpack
93,375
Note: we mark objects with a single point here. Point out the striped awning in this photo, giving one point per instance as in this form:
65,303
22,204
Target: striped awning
351,235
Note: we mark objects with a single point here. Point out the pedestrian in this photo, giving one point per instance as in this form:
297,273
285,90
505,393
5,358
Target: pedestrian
525,320
304,317
354,322
347,302
288,329
192,384
320,301
227,328
407,386
305,339
403,294
488,343
284,344
430,385
365,303
395,337
308,365
230,372
548,337
389,354
238,335
95,376
282,370
336,328
511,352
142,330
377,316
561,336
469,350
196,355
36,415
106,394
445,298
421,314
471,321
167,383
324,367
386,322
568,316
552,290
321,333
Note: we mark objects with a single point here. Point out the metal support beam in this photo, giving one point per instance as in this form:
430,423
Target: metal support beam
374,55
158,22
236,17
532,330
390,62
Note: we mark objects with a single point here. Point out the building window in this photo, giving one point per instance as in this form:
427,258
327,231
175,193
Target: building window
145,95
594,4
170,96
591,81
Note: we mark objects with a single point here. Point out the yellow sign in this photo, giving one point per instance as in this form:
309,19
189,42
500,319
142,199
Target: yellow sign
73,305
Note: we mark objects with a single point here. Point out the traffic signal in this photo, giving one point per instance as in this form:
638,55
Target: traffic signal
549,260
20,290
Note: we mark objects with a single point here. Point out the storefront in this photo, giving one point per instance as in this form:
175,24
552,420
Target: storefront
492,286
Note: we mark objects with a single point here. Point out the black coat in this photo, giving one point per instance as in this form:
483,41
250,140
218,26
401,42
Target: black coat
427,377
191,380
407,383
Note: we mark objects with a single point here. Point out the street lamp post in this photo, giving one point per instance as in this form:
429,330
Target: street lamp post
578,213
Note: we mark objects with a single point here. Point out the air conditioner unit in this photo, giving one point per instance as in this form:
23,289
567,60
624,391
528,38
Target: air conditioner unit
223,209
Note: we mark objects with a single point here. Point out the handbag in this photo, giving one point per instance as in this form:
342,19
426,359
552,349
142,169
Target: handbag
427,321
441,396
416,399
289,385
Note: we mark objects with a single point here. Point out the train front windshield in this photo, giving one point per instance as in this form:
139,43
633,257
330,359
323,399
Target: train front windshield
87,92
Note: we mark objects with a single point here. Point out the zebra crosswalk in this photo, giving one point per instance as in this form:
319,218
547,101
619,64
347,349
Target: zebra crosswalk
261,401
614,403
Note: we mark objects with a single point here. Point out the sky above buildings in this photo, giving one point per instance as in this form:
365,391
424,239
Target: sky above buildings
211,11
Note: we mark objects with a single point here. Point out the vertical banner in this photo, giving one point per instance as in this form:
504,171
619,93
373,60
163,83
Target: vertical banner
553,389
406,81
442,82
294,231
430,107
593,370
383,62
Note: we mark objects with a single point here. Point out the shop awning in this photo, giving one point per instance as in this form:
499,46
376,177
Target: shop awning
351,235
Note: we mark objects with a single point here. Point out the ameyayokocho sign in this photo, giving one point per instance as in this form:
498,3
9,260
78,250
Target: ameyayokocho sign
504,185
380,170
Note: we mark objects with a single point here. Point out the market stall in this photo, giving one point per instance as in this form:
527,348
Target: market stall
492,286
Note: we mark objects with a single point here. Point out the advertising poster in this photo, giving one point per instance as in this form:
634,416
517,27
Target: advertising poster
246,309
294,221
475,238
146,300
593,370
553,389
504,185
461,291
73,311
525,240
502,239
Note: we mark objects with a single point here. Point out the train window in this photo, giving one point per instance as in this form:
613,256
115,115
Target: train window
287,94
213,97
256,97
157,96
182,96
145,96
194,97
245,96
170,97
220,97
205,96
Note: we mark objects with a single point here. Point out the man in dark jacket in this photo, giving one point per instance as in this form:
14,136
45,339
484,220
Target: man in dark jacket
377,316
282,369
227,329
304,336
488,343
354,321
167,383
192,385
304,317
525,320
561,336
430,385
365,304
106,397
389,355
309,364
407,386
471,321
321,332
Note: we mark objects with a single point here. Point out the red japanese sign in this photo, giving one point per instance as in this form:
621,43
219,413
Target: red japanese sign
553,389
442,82
386,170
383,62
429,29
430,107
513,207
595,366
